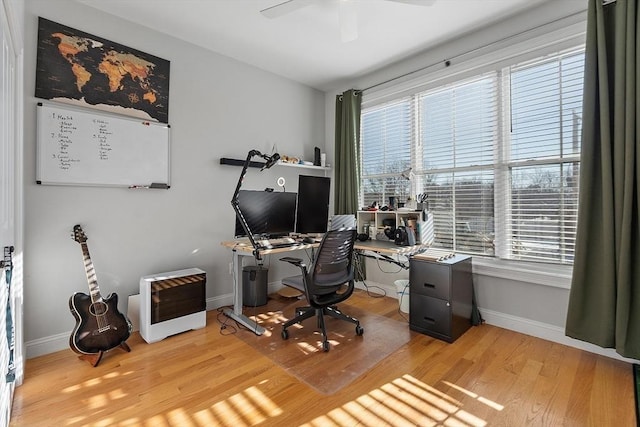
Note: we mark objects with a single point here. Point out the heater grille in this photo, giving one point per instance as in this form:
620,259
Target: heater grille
177,297
171,303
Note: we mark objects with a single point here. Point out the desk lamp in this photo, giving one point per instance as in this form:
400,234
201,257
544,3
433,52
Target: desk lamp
270,161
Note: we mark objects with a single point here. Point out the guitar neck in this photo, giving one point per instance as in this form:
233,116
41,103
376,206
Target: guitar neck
94,290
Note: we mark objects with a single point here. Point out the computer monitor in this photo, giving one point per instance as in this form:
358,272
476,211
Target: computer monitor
313,204
268,213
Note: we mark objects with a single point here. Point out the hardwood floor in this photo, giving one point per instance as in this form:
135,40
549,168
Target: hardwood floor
489,376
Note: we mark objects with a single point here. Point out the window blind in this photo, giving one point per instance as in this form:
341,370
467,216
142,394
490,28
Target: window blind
386,138
544,149
458,128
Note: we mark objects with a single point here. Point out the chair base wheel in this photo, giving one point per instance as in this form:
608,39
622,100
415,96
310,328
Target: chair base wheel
325,346
359,330
284,334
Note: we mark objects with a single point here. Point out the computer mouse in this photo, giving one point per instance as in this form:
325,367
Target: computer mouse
308,239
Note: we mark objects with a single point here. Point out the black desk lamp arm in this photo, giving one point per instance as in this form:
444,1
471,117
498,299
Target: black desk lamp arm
270,161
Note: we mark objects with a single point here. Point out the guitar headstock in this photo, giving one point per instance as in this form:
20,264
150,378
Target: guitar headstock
78,234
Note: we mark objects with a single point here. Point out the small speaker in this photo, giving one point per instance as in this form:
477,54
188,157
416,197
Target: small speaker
401,237
316,157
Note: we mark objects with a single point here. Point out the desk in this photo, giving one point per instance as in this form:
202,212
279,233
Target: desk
242,247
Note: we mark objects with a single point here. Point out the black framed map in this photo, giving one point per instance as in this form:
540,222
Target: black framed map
82,69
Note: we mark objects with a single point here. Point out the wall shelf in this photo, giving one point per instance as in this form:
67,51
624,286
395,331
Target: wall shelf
237,162
297,165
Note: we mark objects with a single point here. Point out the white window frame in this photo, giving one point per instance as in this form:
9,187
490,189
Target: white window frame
503,53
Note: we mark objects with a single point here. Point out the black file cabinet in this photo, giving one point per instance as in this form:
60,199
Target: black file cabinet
440,296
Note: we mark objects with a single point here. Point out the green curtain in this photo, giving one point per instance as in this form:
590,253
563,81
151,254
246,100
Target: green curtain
604,302
347,152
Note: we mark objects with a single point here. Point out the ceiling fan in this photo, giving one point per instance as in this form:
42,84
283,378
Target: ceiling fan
347,13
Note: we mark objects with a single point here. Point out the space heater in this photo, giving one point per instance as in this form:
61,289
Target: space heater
171,303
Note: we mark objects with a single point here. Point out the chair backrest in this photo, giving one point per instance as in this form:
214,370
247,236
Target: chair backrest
333,264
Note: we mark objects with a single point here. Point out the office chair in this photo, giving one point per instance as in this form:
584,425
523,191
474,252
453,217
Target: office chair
323,284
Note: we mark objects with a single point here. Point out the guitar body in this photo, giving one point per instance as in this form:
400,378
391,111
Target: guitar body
99,326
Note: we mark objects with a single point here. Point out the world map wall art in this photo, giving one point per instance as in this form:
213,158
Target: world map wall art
79,68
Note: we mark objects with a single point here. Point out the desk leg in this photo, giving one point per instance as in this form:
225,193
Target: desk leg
236,313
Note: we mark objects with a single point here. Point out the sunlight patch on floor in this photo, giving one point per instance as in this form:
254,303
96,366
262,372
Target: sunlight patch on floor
97,401
405,401
178,417
484,400
249,408
277,318
157,421
93,381
306,348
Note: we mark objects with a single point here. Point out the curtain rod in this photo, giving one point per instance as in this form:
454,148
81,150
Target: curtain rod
447,62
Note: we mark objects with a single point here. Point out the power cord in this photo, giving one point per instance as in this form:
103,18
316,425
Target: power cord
384,271
400,297
368,288
402,314
225,329
233,328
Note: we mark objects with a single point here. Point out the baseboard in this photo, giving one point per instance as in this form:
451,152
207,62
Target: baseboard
545,331
53,343
46,345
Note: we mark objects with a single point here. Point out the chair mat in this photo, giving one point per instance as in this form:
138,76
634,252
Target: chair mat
301,355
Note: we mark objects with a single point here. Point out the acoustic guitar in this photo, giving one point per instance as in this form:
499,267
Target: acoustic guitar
99,325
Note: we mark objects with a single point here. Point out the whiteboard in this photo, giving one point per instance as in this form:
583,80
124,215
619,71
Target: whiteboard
82,147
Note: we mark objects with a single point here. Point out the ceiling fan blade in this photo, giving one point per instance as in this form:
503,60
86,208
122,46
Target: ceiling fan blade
284,8
348,20
416,2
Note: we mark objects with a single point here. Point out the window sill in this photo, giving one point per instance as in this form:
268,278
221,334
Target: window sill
558,276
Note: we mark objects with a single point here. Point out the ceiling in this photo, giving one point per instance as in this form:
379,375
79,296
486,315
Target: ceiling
305,45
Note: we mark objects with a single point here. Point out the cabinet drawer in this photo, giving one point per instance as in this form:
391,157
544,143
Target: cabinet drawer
427,314
430,279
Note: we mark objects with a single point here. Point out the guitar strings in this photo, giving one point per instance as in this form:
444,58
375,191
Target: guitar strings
96,299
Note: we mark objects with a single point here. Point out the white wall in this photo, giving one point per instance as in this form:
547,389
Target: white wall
219,107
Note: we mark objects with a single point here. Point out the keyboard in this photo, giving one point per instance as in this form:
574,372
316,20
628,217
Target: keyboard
281,242
283,245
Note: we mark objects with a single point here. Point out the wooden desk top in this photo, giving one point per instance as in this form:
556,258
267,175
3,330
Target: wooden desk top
388,247
380,246
243,245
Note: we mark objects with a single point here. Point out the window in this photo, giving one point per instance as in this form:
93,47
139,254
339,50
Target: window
497,154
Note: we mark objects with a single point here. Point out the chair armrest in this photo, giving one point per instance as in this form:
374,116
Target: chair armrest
294,261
